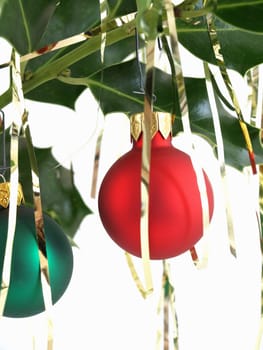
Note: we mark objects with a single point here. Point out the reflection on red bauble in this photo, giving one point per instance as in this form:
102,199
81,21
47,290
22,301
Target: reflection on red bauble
175,211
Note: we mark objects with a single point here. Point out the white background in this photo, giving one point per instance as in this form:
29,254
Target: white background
218,307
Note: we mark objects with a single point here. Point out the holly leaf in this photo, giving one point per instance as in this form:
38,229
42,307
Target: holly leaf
60,197
118,95
242,13
70,18
241,49
125,95
23,22
45,22
57,92
236,154
121,8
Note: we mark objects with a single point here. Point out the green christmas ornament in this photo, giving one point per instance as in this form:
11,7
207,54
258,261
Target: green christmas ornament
25,296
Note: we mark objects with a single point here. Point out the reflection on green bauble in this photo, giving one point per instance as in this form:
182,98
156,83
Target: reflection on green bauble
25,291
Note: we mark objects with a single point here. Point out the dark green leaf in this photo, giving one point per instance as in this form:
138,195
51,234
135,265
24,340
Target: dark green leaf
57,67
117,95
23,22
56,92
125,95
2,3
148,22
120,8
236,153
91,64
241,49
242,13
70,18
60,198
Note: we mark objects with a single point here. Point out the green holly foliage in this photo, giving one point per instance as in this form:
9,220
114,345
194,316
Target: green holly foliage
60,76
60,197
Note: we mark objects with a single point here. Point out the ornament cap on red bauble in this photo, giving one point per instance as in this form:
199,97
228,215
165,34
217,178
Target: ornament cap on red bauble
175,209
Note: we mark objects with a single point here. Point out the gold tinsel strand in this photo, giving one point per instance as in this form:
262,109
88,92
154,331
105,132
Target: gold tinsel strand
221,64
171,22
221,159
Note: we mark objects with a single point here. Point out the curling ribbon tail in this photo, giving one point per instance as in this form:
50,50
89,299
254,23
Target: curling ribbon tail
175,62
216,46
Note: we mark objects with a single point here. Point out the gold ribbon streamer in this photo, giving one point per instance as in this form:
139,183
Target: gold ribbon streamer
221,64
96,165
103,18
146,163
171,20
6,272
167,304
145,177
255,98
57,45
135,276
18,98
221,158
40,231
259,101
14,175
161,122
260,330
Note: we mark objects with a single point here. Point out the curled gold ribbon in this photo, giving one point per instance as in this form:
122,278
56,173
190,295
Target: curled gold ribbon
167,306
169,298
221,159
259,100
221,64
57,45
13,188
145,176
171,20
146,163
255,83
18,99
260,329
38,214
222,67
40,231
103,19
258,344
12,202
96,165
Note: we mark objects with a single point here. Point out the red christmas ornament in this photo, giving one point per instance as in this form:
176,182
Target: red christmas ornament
175,211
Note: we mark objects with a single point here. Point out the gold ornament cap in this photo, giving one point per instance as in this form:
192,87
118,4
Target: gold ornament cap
161,121
5,194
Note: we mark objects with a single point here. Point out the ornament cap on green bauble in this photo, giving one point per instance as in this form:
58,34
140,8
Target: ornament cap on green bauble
25,296
175,208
